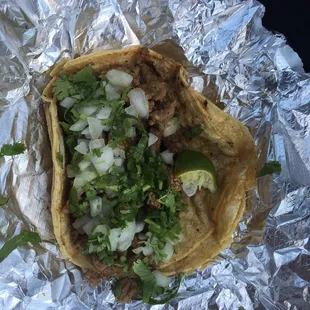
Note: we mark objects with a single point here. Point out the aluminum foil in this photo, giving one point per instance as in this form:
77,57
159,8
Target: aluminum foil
232,59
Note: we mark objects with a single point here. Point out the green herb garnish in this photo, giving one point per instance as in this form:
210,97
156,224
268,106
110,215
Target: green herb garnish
12,149
19,240
270,168
193,132
3,200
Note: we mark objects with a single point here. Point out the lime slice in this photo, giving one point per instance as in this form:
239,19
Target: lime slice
195,171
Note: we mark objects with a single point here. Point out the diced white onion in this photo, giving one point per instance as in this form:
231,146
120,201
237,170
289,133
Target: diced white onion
117,152
104,113
126,236
147,250
84,164
142,237
138,100
119,78
89,226
139,226
113,238
131,110
105,161
106,128
161,279
168,250
82,148
86,133
152,139
68,102
81,221
172,126
88,110
190,188
79,125
167,157
84,177
91,248
99,92
70,172
95,206
102,229
119,162
95,127
96,144
138,250
111,93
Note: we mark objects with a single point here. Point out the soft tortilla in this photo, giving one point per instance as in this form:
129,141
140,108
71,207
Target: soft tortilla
207,217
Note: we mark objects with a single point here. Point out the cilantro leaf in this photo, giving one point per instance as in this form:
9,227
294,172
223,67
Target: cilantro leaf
12,149
3,200
60,158
85,75
63,87
97,152
270,168
193,132
78,210
19,240
147,278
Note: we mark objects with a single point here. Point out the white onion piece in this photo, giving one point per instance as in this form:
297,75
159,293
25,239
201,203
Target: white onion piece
126,236
101,229
88,110
86,133
82,148
131,110
99,92
88,228
138,250
142,237
95,127
117,152
113,238
147,250
167,157
84,177
105,161
96,144
172,126
161,279
152,139
68,102
111,93
190,189
104,113
79,125
81,221
168,250
84,164
119,78
70,172
91,248
119,162
138,100
131,133
139,226
106,128
95,206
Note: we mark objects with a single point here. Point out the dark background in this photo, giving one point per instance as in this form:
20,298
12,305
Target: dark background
291,18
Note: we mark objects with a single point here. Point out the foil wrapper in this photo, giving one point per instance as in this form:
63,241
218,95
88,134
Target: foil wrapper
233,60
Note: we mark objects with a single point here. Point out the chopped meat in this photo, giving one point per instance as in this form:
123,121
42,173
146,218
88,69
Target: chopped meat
162,112
126,289
158,133
152,202
173,143
155,90
147,74
174,183
162,70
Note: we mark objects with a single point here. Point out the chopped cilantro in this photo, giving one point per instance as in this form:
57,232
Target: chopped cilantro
85,75
193,132
23,238
97,152
63,87
3,200
12,149
270,168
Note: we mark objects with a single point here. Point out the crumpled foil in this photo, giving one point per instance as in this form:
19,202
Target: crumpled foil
233,60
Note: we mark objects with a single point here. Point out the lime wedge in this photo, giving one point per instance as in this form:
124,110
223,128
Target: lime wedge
195,170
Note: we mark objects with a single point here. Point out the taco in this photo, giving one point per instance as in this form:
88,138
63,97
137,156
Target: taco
149,177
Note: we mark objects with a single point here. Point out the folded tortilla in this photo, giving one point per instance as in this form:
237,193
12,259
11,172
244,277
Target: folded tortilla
208,220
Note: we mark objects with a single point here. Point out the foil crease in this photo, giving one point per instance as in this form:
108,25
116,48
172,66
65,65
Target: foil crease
233,60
